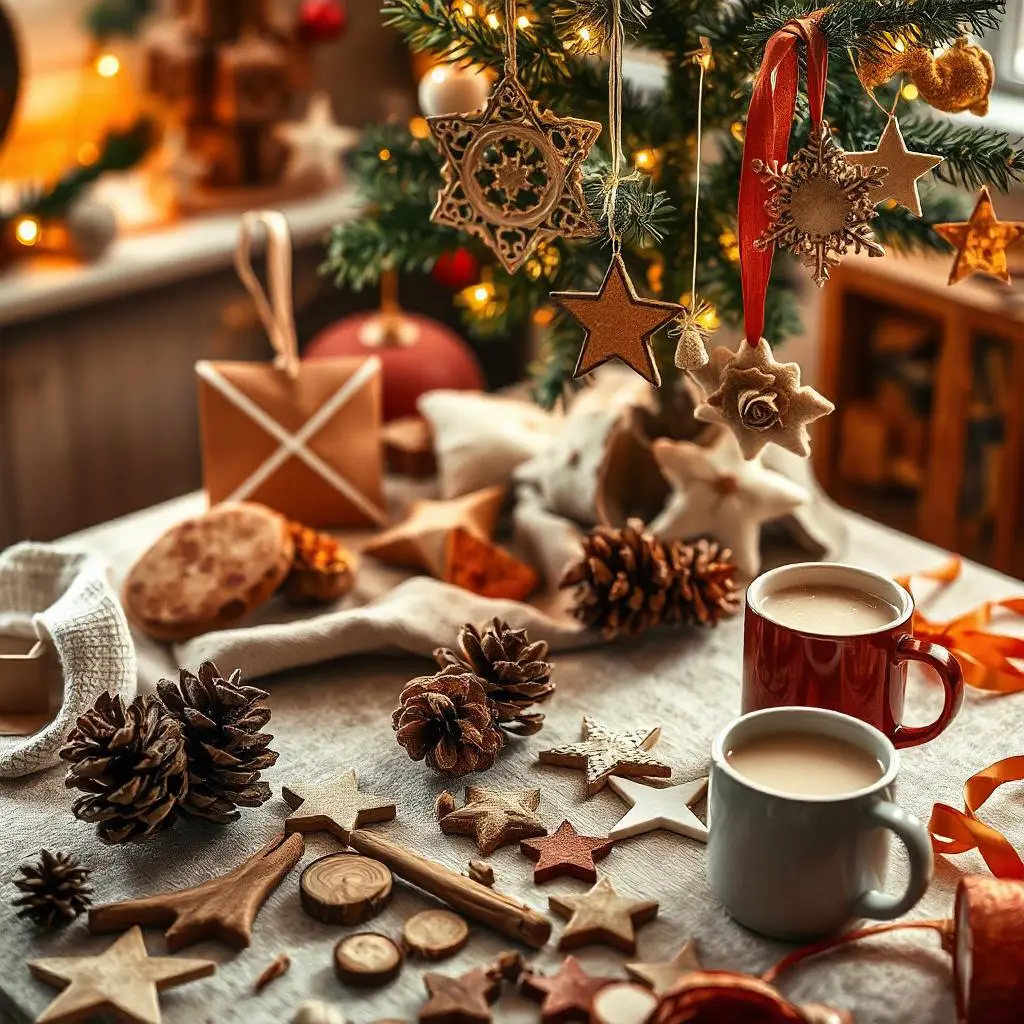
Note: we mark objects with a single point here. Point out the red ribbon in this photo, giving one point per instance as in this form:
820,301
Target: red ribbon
769,120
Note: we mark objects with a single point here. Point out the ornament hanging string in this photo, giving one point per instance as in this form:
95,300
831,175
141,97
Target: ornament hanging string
769,121
702,58
614,124
511,56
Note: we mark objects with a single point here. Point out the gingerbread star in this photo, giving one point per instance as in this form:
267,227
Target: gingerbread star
464,999
494,818
603,752
661,975
602,915
981,242
334,805
564,996
566,853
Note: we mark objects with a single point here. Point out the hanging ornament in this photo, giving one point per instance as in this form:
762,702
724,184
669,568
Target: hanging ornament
903,168
321,21
453,89
981,242
456,269
513,172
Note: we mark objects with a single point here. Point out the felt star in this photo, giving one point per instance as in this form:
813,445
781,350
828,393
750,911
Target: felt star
904,168
123,981
717,493
603,753
566,995
653,808
760,400
566,853
662,975
602,915
618,324
462,1000
421,539
981,242
494,818
334,805
315,144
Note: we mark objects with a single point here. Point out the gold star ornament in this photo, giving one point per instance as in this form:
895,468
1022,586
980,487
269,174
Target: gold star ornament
618,323
981,242
513,173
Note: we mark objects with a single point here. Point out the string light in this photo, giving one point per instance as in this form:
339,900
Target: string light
730,245
88,153
384,154
585,34
736,130
480,295
909,91
492,20
107,65
523,21
26,231
467,10
542,317
418,128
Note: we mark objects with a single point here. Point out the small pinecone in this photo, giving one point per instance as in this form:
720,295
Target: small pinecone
448,721
622,582
704,587
512,670
131,763
221,721
54,890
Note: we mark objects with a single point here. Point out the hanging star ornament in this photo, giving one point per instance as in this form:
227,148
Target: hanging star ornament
652,808
618,323
315,144
904,168
981,242
513,173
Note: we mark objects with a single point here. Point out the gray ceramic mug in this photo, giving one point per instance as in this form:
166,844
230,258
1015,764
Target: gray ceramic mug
800,867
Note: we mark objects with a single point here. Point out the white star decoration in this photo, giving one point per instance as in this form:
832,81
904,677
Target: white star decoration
315,144
665,807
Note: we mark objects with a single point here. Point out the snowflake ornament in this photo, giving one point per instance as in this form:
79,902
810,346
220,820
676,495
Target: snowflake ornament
820,204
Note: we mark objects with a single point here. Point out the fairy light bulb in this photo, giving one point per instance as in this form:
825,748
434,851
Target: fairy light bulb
644,159
26,231
384,154
523,21
492,20
107,65
418,128
481,294
468,10
585,34
88,153
909,91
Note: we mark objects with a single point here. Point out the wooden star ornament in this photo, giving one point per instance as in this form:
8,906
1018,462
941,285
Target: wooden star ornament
334,805
566,852
981,242
464,999
618,323
123,981
566,995
494,818
602,916
652,808
660,976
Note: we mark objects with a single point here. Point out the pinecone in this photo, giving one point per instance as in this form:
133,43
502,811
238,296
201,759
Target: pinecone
704,587
622,582
55,889
512,670
220,721
130,761
448,720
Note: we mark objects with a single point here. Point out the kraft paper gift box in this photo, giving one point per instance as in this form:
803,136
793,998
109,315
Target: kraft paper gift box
301,437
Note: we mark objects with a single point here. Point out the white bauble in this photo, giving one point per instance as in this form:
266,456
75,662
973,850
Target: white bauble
91,226
448,89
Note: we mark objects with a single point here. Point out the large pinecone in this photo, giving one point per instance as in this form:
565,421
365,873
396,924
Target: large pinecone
513,671
447,720
704,587
623,580
221,721
54,890
131,763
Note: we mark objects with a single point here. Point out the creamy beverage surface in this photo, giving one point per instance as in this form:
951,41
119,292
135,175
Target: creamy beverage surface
805,764
831,610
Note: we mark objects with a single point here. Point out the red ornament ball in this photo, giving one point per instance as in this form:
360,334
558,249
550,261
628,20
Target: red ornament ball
320,21
417,355
456,269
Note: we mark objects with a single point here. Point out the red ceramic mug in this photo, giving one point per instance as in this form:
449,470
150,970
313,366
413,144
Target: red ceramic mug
863,674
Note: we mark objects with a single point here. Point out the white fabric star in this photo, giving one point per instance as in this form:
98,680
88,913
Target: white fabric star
665,807
717,493
315,144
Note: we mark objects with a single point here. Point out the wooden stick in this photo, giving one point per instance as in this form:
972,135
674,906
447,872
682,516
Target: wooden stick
494,909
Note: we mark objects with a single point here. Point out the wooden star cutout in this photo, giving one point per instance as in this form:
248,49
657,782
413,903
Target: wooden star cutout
494,818
566,853
717,493
981,242
618,324
462,1000
421,539
334,805
667,808
602,915
603,753
564,996
905,167
315,144
123,981
662,975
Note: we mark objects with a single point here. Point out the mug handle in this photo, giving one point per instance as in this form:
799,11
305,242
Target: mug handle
884,906
909,648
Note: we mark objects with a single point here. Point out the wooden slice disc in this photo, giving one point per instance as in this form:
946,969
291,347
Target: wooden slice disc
435,934
344,888
367,958
623,1002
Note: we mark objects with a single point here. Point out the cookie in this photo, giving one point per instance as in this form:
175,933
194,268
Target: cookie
208,572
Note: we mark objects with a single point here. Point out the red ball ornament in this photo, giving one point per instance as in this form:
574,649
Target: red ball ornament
456,269
417,355
320,21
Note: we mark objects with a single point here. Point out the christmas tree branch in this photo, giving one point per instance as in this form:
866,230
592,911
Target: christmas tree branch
973,156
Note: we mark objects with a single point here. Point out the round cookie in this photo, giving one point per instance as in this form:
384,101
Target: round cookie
208,572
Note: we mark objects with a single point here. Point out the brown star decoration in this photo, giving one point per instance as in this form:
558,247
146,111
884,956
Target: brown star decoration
618,323
662,975
981,242
495,818
513,173
602,915
566,853
566,995
820,204
464,999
